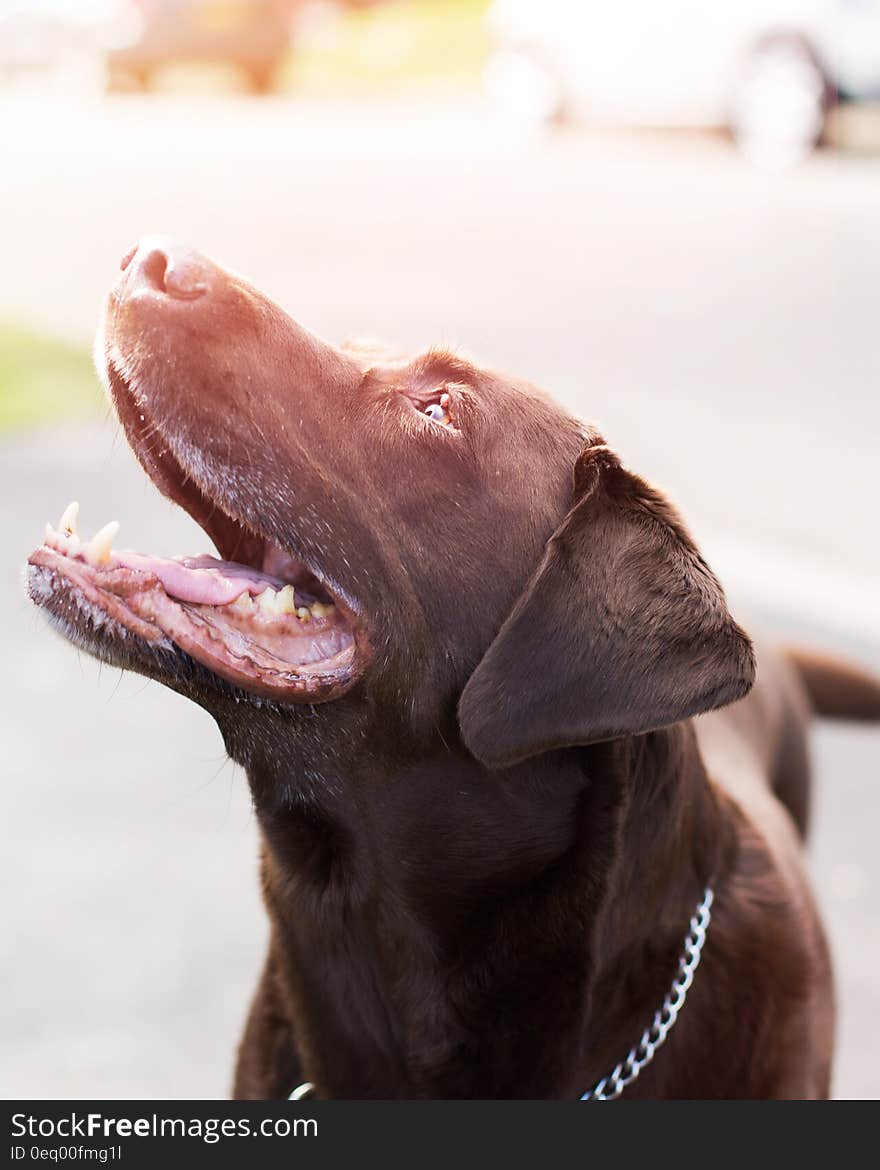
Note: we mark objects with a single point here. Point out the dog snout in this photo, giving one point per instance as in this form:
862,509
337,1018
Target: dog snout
167,269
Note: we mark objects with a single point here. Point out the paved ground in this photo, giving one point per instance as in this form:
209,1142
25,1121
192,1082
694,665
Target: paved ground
719,323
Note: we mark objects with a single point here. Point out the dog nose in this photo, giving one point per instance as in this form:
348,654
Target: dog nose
165,267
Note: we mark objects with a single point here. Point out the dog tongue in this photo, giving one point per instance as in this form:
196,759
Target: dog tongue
201,580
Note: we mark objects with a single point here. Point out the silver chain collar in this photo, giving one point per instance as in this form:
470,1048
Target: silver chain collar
654,1036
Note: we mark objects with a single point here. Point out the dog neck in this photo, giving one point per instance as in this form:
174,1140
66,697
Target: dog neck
439,930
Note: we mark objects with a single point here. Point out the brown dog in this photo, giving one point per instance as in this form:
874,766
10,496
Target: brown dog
457,648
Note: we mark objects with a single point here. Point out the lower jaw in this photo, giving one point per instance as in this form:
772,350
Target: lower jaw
119,613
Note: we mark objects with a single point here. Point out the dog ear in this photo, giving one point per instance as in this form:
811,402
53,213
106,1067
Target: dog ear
623,629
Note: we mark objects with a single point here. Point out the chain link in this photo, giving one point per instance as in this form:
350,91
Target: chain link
654,1036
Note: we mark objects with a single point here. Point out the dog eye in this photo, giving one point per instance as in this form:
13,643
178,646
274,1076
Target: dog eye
439,411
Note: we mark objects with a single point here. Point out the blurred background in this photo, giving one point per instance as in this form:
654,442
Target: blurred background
667,213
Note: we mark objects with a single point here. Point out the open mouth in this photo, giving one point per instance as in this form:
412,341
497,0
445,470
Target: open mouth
260,620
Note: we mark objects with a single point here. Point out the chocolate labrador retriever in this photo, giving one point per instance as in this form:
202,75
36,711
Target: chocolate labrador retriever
458,648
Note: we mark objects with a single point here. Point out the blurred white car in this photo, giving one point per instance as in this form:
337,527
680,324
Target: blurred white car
768,69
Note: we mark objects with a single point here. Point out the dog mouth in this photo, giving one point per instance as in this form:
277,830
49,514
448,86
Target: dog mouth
256,617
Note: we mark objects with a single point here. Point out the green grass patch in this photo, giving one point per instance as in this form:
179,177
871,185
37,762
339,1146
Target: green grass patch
43,380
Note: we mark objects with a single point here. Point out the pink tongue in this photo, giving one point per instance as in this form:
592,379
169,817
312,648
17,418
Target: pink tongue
201,580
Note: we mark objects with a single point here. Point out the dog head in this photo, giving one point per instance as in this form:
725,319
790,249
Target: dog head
407,537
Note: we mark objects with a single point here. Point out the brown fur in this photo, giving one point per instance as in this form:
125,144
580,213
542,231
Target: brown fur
837,689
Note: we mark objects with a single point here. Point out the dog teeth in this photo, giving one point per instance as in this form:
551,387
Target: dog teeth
66,538
270,603
64,541
69,518
267,601
284,600
97,551
282,603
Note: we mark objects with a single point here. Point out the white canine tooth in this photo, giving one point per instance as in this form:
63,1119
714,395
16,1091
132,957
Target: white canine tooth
73,544
69,519
285,602
98,548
